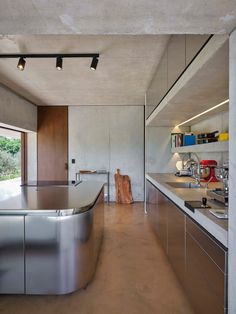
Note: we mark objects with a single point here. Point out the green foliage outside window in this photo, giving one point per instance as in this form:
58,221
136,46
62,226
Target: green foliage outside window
9,158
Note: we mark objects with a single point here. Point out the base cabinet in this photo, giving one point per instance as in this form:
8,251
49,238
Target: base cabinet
157,206
205,271
199,262
176,240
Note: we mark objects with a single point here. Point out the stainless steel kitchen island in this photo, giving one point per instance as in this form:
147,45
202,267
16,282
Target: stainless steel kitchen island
50,237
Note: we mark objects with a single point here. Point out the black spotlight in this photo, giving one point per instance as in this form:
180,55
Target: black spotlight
94,63
59,63
21,64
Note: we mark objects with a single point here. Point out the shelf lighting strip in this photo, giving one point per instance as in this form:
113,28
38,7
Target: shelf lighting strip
204,112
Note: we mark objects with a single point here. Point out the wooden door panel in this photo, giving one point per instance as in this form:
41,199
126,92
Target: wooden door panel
52,143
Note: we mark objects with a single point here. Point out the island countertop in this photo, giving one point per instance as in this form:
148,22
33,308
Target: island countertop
60,198
218,228
50,236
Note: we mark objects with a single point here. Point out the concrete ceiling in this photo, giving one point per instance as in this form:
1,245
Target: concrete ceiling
125,68
117,17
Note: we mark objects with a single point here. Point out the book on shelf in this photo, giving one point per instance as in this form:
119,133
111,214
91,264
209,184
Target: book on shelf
177,139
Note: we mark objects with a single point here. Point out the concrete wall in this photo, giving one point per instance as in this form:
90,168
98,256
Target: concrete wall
108,137
32,156
159,158
16,111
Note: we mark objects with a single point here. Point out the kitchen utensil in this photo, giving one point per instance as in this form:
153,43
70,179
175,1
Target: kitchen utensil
207,170
192,205
220,213
224,136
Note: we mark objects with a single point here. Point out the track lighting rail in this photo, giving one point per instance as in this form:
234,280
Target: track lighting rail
49,55
58,56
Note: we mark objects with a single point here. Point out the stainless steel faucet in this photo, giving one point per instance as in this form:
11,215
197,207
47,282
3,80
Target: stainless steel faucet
196,174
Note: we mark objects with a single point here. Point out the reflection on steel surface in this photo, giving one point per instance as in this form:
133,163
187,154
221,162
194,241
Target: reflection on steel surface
12,254
60,252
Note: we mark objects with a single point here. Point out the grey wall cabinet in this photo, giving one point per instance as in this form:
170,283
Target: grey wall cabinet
180,51
158,87
198,260
193,45
176,58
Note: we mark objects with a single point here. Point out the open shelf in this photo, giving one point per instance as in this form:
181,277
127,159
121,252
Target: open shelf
207,147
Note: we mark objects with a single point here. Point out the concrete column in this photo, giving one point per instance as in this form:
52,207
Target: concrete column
232,179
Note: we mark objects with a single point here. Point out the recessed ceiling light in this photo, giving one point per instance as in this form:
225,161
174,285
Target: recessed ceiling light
204,112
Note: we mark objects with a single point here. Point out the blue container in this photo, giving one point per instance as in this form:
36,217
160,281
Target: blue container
189,140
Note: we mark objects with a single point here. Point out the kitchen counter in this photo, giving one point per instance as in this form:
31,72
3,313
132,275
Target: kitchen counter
60,198
50,236
218,228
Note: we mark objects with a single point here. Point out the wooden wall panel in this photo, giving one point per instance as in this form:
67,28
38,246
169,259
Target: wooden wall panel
53,143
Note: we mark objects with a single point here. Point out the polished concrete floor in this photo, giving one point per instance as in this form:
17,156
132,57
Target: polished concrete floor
133,275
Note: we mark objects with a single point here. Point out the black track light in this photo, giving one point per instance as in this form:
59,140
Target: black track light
94,63
58,56
59,63
21,64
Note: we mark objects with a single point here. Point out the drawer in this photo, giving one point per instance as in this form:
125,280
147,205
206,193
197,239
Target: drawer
205,282
211,247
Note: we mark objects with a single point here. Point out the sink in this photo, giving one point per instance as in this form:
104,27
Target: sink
184,185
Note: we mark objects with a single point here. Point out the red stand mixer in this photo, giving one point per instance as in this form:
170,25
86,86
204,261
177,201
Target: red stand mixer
207,170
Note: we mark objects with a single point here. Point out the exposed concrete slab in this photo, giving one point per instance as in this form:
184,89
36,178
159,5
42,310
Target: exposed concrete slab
16,112
125,68
117,17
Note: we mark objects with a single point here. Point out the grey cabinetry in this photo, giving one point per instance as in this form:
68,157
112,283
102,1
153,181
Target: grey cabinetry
176,240
176,58
180,51
158,86
168,223
198,260
157,205
205,271
193,44
11,254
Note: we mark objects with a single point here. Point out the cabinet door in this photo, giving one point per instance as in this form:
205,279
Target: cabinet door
176,58
158,86
176,240
12,254
205,280
193,44
157,205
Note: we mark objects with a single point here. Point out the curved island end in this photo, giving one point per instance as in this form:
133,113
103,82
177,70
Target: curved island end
50,237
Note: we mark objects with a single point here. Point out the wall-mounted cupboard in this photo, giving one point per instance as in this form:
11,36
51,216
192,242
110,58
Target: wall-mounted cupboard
180,51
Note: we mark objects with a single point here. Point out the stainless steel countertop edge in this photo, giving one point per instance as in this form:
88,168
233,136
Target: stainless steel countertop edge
55,211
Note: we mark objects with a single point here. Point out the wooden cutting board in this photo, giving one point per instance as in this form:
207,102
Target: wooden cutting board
123,188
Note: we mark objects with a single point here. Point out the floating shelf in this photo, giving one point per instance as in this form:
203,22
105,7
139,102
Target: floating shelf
203,148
